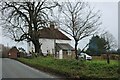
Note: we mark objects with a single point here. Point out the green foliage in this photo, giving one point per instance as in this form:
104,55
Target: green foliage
118,51
75,68
97,45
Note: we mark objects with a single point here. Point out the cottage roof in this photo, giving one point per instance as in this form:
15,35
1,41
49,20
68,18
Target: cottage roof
52,33
64,46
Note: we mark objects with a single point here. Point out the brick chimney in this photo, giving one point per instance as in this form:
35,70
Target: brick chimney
52,26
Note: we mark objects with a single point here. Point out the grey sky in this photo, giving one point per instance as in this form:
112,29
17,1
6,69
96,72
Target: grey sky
109,20
109,17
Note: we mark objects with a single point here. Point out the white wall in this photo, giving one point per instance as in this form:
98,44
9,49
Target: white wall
30,47
47,44
60,54
63,41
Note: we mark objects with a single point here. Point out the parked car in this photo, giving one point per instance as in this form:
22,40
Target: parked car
29,55
85,56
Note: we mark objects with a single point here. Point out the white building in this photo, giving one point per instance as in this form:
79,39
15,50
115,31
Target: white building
54,42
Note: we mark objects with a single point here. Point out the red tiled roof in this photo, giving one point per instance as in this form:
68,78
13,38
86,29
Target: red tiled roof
52,33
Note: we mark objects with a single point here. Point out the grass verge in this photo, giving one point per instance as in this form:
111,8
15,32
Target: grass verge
75,68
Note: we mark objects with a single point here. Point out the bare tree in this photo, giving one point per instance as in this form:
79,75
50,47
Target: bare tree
110,40
111,44
22,20
79,20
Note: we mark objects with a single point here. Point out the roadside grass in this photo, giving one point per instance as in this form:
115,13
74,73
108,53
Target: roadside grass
75,68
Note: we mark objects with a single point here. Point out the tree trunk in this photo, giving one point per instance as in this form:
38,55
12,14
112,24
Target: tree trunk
108,58
76,55
37,47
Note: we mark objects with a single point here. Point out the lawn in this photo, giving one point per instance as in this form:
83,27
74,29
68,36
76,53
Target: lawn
75,68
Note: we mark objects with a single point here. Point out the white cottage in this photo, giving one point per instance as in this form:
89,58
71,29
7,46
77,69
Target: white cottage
54,42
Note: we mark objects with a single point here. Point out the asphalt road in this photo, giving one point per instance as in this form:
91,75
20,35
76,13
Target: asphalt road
15,69
0,68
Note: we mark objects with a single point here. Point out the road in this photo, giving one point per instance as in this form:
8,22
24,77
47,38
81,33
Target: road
0,68
14,69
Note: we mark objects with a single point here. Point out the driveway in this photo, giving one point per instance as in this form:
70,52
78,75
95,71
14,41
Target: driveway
14,69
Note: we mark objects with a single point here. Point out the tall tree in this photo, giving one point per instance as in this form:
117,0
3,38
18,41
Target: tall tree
97,45
111,44
78,20
22,20
103,44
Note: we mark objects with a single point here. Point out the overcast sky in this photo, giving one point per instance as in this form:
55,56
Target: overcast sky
109,18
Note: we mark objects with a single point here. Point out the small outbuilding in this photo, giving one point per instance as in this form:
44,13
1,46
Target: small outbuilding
13,52
65,50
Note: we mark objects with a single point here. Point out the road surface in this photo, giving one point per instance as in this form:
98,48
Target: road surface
15,69
0,68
